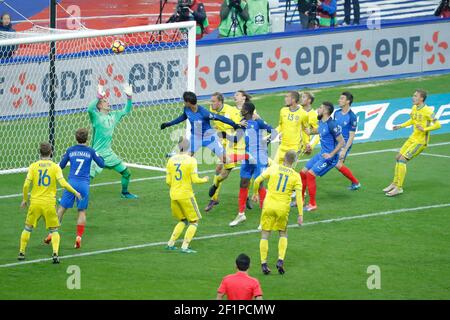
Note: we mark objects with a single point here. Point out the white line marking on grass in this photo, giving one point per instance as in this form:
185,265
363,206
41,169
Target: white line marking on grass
17,195
231,234
435,155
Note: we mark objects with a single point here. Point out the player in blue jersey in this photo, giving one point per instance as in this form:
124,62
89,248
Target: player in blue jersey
256,157
80,157
331,142
202,134
348,121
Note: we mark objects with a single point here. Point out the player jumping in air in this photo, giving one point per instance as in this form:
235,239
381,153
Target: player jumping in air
80,157
256,160
223,130
283,181
348,121
42,176
331,142
423,121
181,173
104,121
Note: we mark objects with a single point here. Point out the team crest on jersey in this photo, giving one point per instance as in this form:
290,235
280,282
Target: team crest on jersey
259,19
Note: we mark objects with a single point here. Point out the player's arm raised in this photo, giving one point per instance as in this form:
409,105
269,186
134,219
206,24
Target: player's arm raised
128,90
63,183
92,107
217,117
180,119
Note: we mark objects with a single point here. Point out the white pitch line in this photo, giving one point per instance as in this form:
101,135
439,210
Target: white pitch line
17,195
231,234
435,155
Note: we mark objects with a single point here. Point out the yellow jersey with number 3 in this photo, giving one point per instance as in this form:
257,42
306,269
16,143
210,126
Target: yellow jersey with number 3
43,175
181,174
291,126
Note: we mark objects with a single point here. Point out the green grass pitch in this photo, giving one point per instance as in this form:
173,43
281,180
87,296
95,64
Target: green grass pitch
325,259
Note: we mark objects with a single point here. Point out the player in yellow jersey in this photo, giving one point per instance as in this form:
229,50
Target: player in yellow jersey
292,121
223,130
423,121
181,173
42,176
309,141
283,181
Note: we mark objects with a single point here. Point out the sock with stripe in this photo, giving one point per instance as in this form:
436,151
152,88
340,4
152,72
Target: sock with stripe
190,232
282,247
176,233
55,241
264,249
24,238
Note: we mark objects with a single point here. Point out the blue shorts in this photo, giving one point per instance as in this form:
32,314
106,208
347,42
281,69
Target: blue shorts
212,142
320,166
252,170
68,198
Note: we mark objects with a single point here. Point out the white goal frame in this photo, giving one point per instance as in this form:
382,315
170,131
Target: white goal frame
190,26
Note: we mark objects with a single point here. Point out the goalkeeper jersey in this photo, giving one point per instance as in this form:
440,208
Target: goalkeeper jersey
104,125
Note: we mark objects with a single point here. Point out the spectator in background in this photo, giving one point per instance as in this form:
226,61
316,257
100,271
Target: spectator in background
6,26
443,10
240,286
347,12
191,10
233,16
326,11
258,11
304,6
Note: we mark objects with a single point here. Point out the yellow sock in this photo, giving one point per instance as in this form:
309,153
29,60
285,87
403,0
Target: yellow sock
176,233
395,174
217,182
25,236
282,247
264,249
401,174
55,241
190,232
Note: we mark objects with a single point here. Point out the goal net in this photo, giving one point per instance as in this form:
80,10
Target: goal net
48,78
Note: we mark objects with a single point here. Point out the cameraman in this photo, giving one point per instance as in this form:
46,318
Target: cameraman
233,15
191,10
258,11
443,10
326,12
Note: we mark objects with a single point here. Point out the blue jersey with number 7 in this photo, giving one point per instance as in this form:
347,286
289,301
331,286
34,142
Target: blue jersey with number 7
80,157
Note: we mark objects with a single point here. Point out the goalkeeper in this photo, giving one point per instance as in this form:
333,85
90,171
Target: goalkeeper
104,121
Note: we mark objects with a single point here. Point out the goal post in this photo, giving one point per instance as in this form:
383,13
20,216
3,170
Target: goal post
158,61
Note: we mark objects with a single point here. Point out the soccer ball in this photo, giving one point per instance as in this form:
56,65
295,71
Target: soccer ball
118,46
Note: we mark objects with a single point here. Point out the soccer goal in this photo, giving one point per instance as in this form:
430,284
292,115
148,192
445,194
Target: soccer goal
48,78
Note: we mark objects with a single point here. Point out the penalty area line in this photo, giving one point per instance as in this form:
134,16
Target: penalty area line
231,234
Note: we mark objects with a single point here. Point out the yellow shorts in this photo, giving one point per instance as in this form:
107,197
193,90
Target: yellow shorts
274,220
281,152
185,209
36,211
229,148
411,149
